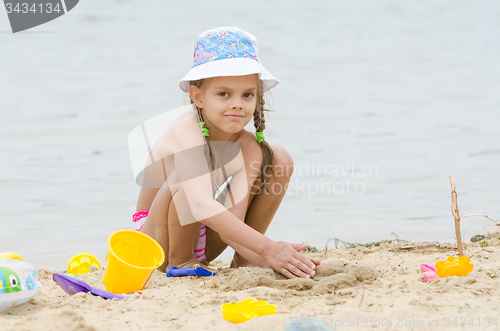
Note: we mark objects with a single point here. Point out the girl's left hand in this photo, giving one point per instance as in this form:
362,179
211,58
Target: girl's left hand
301,247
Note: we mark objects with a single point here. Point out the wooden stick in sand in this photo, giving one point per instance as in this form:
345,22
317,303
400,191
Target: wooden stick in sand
454,212
484,215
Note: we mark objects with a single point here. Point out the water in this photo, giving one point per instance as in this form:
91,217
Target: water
406,90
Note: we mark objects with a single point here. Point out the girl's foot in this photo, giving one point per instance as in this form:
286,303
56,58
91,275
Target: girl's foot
238,261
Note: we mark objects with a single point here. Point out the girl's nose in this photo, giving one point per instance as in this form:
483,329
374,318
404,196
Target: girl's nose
237,104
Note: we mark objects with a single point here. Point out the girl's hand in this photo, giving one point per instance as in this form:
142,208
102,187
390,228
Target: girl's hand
301,247
285,259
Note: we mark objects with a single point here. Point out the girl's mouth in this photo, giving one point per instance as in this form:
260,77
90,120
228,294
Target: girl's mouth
234,117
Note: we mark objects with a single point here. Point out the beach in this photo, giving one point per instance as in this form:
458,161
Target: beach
361,288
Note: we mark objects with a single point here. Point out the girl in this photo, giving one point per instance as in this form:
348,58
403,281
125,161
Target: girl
220,184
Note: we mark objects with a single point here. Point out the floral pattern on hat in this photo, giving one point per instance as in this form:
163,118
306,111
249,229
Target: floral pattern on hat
223,45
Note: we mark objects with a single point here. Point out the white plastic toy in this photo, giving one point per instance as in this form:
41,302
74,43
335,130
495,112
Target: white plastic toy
19,281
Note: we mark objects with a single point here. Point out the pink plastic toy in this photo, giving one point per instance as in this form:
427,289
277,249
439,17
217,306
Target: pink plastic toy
429,272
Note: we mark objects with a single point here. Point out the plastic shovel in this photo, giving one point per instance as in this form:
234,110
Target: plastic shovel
72,285
176,272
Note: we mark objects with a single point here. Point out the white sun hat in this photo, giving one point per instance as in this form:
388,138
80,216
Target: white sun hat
227,51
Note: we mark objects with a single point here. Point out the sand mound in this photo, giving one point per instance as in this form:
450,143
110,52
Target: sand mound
329,277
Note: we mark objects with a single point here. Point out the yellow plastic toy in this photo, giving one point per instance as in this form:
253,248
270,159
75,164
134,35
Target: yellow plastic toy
245,310
81,263
453,266
11,256
132,258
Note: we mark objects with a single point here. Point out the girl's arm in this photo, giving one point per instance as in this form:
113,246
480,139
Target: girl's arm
194,177
259,260
246,253
281,256
154,173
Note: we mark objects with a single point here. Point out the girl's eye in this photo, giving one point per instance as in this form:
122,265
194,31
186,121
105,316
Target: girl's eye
249,95
221,94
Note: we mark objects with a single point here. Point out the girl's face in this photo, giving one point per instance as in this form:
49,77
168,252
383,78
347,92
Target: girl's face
228,103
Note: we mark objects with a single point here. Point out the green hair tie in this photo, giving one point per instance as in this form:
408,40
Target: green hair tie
260,136
204,130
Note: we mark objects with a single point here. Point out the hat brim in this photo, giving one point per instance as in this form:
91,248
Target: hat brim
229,67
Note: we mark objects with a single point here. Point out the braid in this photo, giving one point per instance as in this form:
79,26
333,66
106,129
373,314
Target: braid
259,123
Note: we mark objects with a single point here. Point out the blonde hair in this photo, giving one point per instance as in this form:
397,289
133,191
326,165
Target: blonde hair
215,160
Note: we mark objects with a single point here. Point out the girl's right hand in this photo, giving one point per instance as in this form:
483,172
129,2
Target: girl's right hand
301,247
285,259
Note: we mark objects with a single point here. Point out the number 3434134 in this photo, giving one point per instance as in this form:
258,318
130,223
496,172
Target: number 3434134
42,7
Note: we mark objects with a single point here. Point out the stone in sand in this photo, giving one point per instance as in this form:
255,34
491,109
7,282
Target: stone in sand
477,237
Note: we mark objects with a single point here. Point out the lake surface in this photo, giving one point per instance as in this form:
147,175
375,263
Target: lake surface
379,102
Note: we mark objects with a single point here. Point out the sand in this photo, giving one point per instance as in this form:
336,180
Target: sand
357,289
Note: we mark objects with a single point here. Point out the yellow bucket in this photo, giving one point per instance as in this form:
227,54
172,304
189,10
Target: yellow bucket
132,257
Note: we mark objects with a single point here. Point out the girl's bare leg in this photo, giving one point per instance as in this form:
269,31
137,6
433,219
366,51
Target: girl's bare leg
156,225
178,242
262,206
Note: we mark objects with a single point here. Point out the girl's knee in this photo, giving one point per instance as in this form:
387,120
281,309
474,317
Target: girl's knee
283,162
